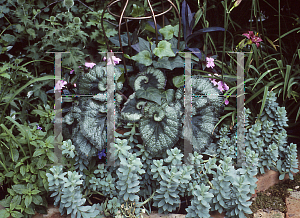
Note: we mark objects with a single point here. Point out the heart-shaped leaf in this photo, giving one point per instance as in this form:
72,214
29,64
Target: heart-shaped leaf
178,81
163,63
169,63
167,32
164,49
144,57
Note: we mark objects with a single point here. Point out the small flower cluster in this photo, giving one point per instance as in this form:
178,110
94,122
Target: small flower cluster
221,86
60,84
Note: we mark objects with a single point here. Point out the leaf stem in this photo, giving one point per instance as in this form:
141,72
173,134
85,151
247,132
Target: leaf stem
124,96
145,202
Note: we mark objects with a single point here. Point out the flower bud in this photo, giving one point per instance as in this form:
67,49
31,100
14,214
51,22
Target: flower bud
68,3
52,18
76,20
21,2
18,61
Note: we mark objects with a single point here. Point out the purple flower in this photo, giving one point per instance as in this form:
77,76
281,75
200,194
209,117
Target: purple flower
101,154
210,62
226,102
38,127
213,80
226,87
222,86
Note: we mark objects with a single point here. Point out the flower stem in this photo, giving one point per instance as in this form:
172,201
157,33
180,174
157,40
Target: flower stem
124,96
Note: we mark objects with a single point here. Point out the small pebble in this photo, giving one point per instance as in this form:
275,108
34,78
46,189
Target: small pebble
297,187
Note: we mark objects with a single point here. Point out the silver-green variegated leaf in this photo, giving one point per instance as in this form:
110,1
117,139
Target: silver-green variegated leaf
132,110
88,119
150,78
95,81
89,135
160,126
206,108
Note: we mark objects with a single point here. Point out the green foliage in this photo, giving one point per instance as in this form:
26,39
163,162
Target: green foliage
143,57
163,49
128,173
25,153
168,31
137,11
148,52
154,112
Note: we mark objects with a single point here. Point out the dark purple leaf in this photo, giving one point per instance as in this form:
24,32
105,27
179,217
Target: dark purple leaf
205,30
187,19
196,52
183,16
151,23
136,47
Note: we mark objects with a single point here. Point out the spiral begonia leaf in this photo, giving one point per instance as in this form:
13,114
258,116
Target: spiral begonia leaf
150,78
88,119
160,126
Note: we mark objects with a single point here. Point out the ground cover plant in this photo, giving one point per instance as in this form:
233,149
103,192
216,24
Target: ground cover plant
149,172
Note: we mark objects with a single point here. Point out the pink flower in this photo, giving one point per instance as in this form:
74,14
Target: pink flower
253,38
210,62
71,72
220,86
74,84
214,82
226,87
249,35
256,40
60,84
90,65
115,60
